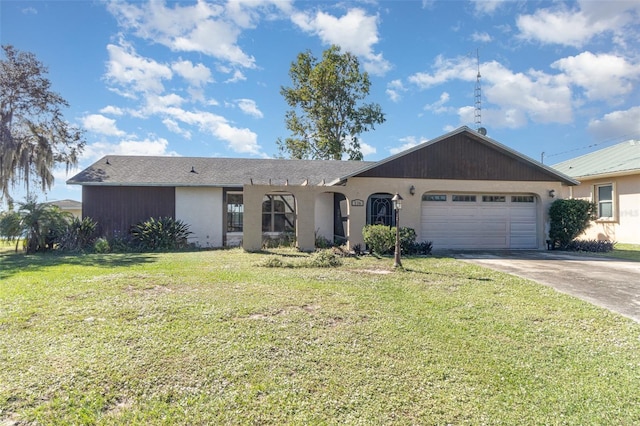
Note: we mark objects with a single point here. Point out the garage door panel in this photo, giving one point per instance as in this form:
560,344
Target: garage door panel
480,225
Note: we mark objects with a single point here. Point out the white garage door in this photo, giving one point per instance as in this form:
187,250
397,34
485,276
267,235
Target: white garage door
479,221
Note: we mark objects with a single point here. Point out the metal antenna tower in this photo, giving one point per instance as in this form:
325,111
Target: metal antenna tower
477,112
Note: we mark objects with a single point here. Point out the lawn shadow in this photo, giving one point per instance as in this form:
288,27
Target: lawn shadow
11,263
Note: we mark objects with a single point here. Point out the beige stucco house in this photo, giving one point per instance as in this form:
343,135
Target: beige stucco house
71,206
462,190
610,177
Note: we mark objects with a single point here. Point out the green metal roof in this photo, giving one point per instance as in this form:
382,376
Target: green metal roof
617,159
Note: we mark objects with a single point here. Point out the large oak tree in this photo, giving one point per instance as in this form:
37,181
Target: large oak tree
34,137
328,114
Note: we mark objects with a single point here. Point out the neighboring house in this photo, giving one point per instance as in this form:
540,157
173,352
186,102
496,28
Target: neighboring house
610,177
71,206
462,190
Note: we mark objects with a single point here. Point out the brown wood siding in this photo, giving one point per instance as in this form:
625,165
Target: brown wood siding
117,208
460,157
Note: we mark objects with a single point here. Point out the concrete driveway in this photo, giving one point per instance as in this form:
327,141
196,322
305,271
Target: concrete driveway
609,283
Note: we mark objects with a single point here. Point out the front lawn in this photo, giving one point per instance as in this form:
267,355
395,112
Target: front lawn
212,337
626,251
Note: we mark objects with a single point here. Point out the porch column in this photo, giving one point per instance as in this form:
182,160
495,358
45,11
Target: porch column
252,217
305,219
357,221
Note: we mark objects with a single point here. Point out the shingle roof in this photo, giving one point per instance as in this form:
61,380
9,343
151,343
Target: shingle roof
616,159
66,204
202,171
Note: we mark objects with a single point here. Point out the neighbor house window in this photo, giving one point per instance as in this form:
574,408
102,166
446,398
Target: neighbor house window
464,198
235,212
605,201
278,213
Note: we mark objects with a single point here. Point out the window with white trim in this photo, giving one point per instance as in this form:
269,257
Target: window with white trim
604,200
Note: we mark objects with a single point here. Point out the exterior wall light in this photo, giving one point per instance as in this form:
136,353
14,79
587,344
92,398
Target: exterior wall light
552,193
412,190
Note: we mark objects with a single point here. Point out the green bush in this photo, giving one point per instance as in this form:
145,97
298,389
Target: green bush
322,242
275,262
379,238
165,233
287,239
101,245
592,246
407,240
324,259
569,218
78,236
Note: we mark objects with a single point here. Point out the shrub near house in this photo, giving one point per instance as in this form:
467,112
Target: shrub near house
569,218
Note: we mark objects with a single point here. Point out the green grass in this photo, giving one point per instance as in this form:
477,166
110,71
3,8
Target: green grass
212,338
626,251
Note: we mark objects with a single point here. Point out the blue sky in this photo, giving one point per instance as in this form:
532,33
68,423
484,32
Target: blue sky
203,78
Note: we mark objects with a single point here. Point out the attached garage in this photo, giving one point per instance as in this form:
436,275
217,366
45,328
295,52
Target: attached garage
480,221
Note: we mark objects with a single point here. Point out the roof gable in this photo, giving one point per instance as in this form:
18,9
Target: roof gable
463,155
623,158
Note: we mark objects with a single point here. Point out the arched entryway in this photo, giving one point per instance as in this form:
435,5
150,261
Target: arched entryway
331,216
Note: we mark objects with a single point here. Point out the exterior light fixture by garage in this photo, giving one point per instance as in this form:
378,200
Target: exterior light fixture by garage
397,206
412,190
552,193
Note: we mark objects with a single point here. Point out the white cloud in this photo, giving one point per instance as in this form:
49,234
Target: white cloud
355,32
247,13
481,37
407,142
241,140
98,150
248,106
133,72
237,76
174,127
98,123
367,149
603,76
617,124
196,75
487,7
113,110
202,27
540,97
578,25
394,90
439,105
445,69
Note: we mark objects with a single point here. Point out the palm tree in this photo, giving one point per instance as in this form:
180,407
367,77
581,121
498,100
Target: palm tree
38,224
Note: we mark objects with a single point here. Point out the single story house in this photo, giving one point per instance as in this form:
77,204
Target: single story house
461,190
610,177
71,206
